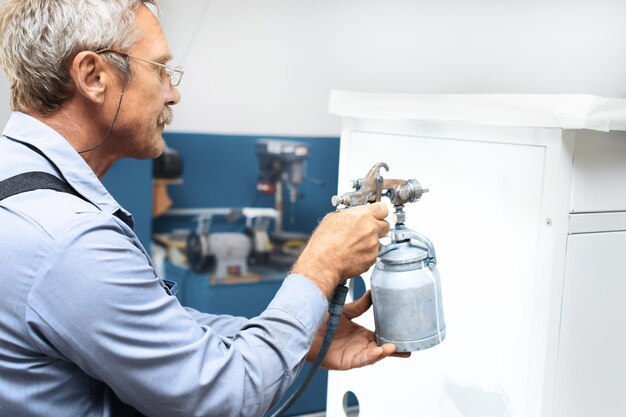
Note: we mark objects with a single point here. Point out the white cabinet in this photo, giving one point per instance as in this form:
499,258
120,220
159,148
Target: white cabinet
591,375
599,181
519,268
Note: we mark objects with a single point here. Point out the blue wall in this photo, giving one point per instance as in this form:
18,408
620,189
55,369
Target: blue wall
222,171
130,182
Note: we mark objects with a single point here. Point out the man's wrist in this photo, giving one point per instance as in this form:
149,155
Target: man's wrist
325,280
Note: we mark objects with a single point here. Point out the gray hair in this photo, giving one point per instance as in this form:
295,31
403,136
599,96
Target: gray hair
40,38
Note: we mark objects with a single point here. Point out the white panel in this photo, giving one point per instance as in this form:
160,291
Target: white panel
592,363
599,182
484,216
597,222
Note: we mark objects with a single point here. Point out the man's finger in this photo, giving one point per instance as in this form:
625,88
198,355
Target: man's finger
390,350
358,307
369,356
375,354
379,210
383,228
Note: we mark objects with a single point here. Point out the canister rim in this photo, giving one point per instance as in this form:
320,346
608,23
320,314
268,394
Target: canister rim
420,254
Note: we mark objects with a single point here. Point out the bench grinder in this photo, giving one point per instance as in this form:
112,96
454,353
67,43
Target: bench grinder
405,283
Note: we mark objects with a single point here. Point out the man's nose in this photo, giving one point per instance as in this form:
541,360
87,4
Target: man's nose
172,96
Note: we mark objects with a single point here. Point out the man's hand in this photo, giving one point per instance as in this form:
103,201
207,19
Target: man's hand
344,245
354,346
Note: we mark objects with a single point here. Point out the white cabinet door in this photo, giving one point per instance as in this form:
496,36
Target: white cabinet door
484,215
599,181
591,376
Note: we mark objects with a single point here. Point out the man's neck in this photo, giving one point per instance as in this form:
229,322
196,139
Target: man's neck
83,133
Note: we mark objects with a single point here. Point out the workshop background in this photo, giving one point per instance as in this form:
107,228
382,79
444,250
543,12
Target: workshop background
265,69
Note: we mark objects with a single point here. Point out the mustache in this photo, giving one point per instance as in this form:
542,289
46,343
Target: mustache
166,117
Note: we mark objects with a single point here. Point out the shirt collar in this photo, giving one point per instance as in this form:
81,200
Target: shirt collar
30,131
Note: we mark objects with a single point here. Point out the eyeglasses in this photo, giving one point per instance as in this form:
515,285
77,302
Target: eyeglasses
175,74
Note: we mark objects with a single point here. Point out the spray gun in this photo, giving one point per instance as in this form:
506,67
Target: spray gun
405,283
373,186
406,288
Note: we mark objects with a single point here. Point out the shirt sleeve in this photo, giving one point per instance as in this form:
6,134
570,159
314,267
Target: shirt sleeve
223,324
98,303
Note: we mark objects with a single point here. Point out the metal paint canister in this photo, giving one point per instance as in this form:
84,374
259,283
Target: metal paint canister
406,293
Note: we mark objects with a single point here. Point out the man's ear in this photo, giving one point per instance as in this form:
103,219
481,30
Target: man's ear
90,75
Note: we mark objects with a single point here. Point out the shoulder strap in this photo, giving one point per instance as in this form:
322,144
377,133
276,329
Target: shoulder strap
36,180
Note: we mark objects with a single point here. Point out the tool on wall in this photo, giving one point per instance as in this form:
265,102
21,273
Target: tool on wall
281,163
282,166
405,283
227,254
167,170
168,165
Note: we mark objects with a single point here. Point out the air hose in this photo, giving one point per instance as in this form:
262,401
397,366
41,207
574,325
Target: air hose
335,309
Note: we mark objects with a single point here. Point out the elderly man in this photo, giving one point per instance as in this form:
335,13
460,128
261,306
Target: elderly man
87,328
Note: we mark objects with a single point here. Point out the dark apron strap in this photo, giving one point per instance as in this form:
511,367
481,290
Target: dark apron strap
36,180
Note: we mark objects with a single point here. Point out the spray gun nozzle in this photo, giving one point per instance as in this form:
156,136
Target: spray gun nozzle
373,187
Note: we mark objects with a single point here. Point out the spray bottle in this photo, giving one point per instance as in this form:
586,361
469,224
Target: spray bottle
405,283
406,288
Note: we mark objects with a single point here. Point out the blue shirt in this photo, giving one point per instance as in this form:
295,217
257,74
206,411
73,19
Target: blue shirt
86,326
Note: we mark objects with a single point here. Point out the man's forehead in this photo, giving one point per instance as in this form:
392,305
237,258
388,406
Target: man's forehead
152,40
